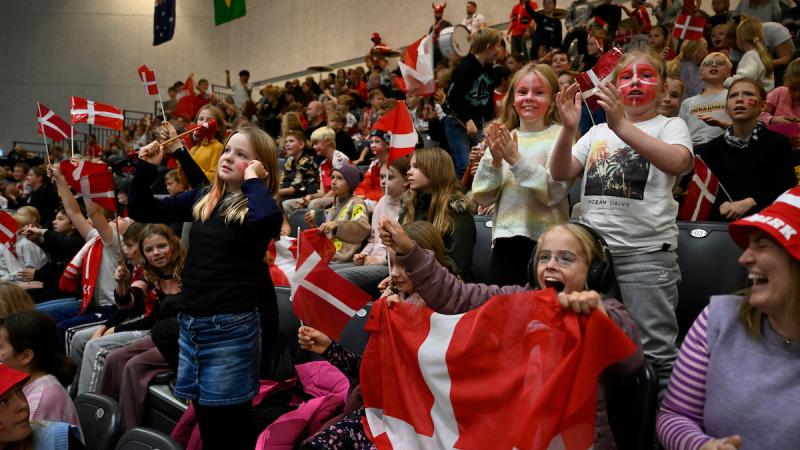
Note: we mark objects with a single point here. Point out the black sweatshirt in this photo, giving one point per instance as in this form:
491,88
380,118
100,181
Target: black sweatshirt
470,92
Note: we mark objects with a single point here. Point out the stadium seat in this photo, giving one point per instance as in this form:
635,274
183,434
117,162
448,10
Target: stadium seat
482,252
101,420
632,401
354,337
708,259
146,439
297,219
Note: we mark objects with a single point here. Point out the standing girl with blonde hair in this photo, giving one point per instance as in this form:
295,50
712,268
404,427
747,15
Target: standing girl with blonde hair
756,62
514,173
686,66
228,296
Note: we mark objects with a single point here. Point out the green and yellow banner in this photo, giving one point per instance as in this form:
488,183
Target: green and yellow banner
227,10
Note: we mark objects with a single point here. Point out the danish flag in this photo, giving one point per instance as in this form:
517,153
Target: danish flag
8,231
50,124
404,137
417,67
688,28
601,73
701,194
148,78
320,297
517,372
282,260
96,113
92,180
205,131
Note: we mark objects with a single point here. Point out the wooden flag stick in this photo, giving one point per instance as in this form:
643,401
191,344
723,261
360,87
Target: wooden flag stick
177,137
588,109
119,237
163,114
71,142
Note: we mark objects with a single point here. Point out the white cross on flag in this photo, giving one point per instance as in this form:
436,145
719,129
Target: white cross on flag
518,372
701,194
688,28
93,181
417,67
50,124
8,231
282,260
603,70
148,78
96,113
403,134
321,297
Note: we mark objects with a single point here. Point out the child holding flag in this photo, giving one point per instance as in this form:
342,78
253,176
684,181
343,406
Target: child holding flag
629,167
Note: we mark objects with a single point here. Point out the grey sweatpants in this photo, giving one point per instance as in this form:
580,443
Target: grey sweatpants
649,287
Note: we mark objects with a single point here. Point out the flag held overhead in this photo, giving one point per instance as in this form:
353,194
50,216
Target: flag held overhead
404,137
96,113
689,28
417,67
148,78
93,181
50,124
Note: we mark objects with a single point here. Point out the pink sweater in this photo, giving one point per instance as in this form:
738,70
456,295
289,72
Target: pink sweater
387,208
48,400
779,103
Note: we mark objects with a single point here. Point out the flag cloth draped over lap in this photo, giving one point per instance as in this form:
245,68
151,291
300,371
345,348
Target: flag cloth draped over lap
517,372
227,10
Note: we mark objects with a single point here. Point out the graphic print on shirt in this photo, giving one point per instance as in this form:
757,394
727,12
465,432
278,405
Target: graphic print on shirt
480,92
620,172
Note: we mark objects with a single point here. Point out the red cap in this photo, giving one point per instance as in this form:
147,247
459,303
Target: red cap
375,37
10,377
439,9
781,220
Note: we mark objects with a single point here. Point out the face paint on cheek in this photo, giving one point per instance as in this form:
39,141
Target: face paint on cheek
751,102
638,84
242,165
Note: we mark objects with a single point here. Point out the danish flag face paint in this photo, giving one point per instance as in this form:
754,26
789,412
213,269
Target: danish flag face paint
638,83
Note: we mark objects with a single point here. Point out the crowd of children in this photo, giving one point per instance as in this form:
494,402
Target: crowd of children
177,277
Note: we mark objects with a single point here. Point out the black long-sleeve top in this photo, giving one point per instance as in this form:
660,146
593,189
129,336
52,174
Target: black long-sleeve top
225,272
764,171
470,92
548,30
61,250
46,201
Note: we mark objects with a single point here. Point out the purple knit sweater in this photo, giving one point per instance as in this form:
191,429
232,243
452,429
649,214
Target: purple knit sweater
726,382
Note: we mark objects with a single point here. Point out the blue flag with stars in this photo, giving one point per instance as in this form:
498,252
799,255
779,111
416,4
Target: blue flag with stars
163,21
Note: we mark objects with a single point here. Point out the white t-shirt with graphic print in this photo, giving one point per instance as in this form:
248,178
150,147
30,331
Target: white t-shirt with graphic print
624,197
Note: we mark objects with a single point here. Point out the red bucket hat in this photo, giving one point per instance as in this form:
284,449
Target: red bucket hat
781,220
10,377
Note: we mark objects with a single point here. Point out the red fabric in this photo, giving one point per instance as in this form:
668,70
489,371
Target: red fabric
86,265
50,124
417,67
517,372
781,220
97,114
205,131
93,181
148,78
8,231
688,28
282,260
361,90
184,107
399,123
200,100
642,17
603,70
321,297
370,186
520,19
701,194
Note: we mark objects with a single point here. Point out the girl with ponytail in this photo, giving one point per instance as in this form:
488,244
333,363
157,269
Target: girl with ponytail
756,62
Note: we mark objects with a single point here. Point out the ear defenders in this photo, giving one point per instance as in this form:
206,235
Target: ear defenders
600,277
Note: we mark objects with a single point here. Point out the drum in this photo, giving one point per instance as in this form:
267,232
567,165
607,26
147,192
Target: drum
454,41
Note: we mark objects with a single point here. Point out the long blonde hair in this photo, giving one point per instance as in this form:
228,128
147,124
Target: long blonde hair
688,49
437,165
751,30
234,207
508,115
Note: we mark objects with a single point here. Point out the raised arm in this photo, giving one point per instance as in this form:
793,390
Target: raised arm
564,166
142,206
71,206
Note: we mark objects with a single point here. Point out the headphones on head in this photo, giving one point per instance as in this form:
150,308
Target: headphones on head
600,277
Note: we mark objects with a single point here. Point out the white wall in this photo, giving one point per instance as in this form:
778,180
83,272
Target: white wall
53,49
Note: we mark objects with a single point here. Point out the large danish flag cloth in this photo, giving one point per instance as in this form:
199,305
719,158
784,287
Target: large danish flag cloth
602,72
320,297
148,78
701,194
417,67
50,124
93,181
518,372
96,113
404,137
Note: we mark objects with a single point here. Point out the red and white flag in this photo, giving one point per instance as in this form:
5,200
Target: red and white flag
282,260
688,28
96,113
517,372
404,137
602,72
205,131
148,78
417,67
93,181
701,194
321,297
8,231
184,106
50,124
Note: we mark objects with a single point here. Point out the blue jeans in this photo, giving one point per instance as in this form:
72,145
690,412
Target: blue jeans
219,358
65,312
460,143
